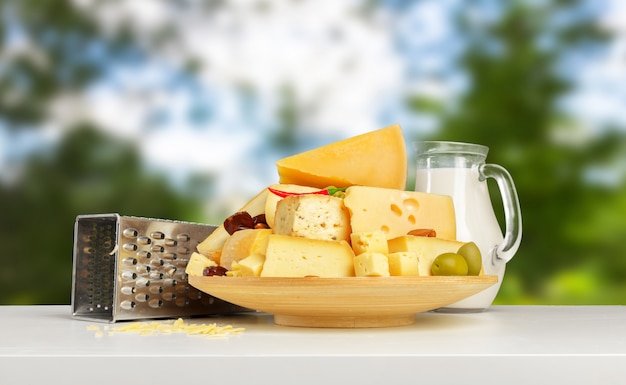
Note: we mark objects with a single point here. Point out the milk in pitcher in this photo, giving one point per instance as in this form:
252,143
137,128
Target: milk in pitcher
475,221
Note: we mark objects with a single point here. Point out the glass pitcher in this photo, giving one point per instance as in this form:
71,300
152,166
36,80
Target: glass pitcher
460,171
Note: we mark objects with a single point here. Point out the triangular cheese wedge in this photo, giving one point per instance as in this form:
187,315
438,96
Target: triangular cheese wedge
376,158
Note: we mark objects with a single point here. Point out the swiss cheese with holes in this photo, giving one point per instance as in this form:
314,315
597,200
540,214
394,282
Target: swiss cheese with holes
396,212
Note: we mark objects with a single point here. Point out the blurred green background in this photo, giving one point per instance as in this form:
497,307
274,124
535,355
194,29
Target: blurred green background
179,109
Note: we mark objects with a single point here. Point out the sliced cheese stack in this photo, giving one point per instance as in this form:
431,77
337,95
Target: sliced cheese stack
376,158
396,212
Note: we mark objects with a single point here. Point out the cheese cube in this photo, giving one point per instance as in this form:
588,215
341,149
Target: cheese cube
426,248
403,263
312,216
371,264
197,263
396,212
251,266
369,241
299,257
242,244
235,272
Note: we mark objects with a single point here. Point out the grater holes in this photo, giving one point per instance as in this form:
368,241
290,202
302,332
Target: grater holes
130,233
155,303
157,249
169,255
182,289
142,297
128,305
129,275
156,275
128,290
143,254
181,302
156,289
130,261
129,247
169,296
157,262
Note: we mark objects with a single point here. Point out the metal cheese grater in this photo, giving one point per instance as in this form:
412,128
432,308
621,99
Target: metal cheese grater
127,268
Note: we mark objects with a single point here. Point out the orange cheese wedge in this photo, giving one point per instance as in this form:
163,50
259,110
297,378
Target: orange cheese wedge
376,158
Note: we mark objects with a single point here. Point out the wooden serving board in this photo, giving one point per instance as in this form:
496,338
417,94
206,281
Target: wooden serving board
343,302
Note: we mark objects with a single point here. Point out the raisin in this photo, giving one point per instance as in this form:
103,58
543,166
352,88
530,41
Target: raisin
260,220
243,220
238,221
214,270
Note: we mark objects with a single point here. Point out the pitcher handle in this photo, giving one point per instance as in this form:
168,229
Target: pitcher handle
512,211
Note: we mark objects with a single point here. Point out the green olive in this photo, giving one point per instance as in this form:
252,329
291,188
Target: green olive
449,264
472,256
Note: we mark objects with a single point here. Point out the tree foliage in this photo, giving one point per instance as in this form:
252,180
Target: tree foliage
514,63
572,249
88,173
53,48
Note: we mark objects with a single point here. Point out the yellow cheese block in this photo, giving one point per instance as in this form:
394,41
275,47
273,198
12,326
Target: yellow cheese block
235,272
313,216
242,244
251,266
426,248
376,158
396,212
300,257
403,263
371,264
212,245
369,241
197,263
273,199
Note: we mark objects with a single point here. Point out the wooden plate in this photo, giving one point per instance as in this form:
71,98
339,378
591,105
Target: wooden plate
343,302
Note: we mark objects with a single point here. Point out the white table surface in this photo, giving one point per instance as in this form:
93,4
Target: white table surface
504,345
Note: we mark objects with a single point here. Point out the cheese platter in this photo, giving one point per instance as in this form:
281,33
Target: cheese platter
351,302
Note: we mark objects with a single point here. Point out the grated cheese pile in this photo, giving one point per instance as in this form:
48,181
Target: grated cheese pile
169,327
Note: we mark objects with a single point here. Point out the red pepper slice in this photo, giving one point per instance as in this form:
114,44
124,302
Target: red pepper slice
328,191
